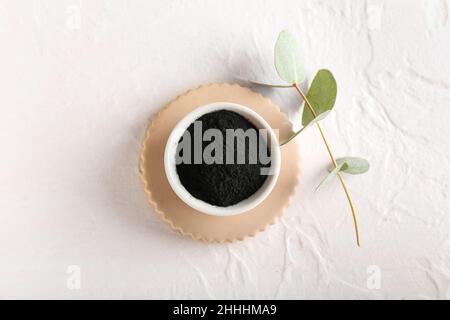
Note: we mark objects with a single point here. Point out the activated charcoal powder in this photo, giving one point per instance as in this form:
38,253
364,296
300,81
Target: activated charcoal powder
229,176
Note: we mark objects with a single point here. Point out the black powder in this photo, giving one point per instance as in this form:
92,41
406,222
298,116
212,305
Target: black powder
223,184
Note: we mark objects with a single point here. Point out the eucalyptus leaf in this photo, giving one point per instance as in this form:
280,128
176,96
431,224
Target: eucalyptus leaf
288,58
331,174
321,95
314,121
354,165
269,85
319,117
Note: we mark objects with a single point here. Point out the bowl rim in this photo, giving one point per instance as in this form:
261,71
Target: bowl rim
200,205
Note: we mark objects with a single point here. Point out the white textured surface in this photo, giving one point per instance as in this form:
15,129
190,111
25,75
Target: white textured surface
79,79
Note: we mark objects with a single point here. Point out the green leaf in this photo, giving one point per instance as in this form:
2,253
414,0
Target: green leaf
288,58
321,95
314,121
269,85
319,117
354,165
331,174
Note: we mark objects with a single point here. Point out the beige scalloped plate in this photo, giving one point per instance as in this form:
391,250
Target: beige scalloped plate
183,218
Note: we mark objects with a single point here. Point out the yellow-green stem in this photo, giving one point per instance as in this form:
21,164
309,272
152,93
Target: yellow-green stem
333,160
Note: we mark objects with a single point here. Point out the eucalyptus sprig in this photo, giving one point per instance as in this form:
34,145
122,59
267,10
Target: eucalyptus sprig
319,101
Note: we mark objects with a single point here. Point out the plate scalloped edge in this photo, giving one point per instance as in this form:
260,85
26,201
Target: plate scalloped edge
154,204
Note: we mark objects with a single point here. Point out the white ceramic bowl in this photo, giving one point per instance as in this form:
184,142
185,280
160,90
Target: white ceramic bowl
202,206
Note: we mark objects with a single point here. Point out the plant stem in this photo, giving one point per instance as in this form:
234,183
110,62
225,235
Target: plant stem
333,160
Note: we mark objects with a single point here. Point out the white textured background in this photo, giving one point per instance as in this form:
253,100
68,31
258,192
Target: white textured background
79,79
